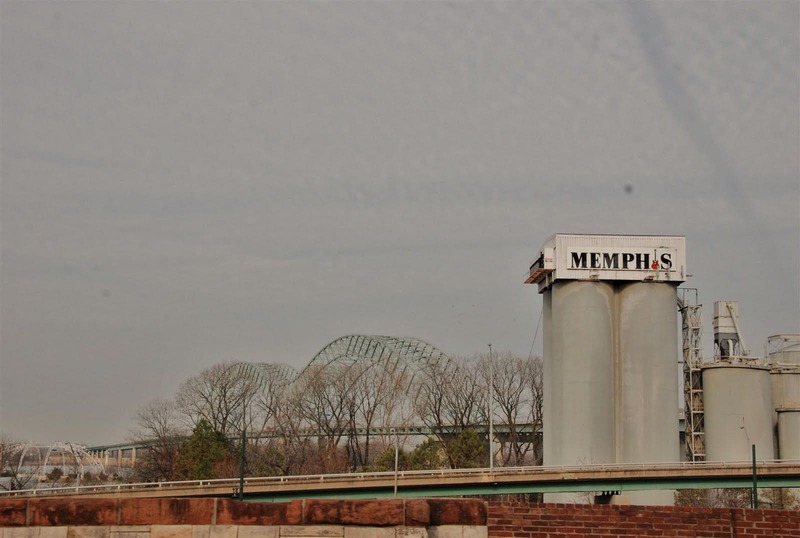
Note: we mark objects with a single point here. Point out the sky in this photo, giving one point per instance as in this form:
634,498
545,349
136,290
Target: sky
186,183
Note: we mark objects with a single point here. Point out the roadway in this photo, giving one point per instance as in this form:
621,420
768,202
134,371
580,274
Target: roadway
458,482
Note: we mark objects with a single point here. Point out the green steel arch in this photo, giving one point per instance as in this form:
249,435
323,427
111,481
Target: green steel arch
376,349
344,352
347,351
264,374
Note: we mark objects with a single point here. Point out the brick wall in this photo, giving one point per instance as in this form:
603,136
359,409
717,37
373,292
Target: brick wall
525,520
226,518
418,518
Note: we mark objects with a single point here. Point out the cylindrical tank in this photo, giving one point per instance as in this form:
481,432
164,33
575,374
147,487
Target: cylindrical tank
785,390
578,408
785,385
647,398
783,349
738,411
549,371
646,402
789,432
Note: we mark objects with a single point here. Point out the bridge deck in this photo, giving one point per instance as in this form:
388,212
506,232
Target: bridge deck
455,482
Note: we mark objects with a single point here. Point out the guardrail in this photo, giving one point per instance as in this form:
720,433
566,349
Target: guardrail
378,479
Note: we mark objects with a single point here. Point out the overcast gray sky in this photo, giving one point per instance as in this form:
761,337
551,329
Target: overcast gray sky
187,183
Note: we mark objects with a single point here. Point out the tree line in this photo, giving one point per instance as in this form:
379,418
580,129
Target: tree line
344,416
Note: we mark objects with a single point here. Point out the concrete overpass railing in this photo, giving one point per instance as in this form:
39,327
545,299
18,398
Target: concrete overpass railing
457,482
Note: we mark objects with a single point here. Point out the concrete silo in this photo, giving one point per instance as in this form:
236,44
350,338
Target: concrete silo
578,374
648,395
610,349
783,357
738,411
789,428
736,395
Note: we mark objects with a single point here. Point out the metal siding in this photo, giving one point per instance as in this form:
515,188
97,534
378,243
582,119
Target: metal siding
738,412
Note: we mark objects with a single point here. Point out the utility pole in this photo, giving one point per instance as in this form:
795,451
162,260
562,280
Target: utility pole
396,457
242,446
754,493
491,408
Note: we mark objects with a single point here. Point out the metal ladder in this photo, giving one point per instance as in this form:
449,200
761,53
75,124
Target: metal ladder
692,375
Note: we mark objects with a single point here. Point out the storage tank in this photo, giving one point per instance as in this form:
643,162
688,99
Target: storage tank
789,432
647,399
738,411
578,367
648,396
783,349
783,356
785,391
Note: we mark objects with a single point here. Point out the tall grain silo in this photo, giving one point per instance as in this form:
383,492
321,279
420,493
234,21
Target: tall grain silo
648,396
578,376
610,350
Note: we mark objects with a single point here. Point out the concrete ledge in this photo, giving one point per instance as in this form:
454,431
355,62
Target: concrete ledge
313,531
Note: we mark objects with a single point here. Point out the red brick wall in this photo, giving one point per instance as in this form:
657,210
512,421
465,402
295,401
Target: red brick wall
505,519
53,512
525,520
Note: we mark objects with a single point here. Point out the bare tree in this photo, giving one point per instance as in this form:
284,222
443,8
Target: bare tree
159,429
516,391
20,464
534,373
376,396
321,398
270,421
221,395
450,397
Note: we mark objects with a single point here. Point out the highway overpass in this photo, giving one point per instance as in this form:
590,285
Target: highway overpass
458,482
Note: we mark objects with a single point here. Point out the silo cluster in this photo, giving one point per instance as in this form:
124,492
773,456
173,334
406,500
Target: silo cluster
610,350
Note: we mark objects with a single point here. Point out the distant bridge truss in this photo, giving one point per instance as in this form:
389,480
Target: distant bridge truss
388,363
31,465
347,352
